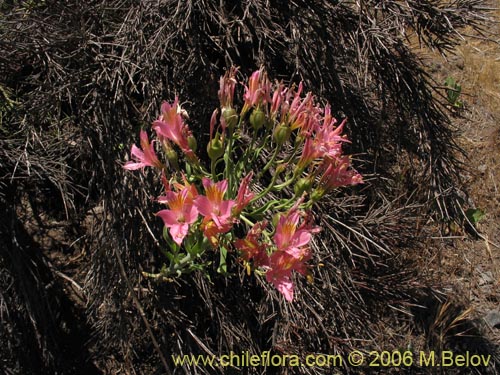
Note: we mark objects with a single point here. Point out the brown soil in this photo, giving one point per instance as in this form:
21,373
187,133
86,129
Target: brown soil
467,259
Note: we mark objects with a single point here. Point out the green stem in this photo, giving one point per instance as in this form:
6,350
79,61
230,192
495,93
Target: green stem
244,159
267,207
307,205
229,169
259,150
284,184
266,190
173,269
246,220
269,163
177,268
212,169
199,168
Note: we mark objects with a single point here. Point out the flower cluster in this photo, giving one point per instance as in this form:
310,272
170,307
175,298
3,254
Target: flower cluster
241,202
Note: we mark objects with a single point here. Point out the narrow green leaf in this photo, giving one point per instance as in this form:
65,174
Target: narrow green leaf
222,261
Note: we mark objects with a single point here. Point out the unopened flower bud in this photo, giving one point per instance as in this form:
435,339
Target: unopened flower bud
193,145
276,219
299,139
282,134
257,118
317,194
302,185
215,148
230,116
172,157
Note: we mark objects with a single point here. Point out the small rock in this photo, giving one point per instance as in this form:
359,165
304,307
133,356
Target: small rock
493,319
482,168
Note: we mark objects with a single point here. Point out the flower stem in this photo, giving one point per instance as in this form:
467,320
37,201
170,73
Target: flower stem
213,162
269,163
229,168
246,220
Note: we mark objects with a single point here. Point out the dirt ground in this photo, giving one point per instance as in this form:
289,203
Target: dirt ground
468,259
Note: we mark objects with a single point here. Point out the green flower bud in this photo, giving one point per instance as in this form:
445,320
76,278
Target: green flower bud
172,157
302,185
231,117
317,194
257,118
276,219
282,134
299,139
215,148
193,145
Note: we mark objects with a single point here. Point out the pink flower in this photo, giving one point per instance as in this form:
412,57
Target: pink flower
329,137
281,279
213,205
325,141
309,153
338,172
281,264
227,85
292,252
300,109
291,238
145,157
280,272
181,214
245,195
253,91
251,248
219,136
258,90
211,230
171,125
278,96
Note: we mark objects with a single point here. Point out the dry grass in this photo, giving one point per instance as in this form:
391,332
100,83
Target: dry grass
480,75
105,79
467,263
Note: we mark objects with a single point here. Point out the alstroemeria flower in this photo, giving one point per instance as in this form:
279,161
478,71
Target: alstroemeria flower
325,141
308,142
170,125
290,237
338,172
211,230
145,157
329,138
258,90
292,252
278,97
213,205
181,214
310,152
301,110
226,88
281,264
281,279
251,248
245,195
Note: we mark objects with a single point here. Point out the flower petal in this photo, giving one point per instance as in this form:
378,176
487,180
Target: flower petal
178,232
169,217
